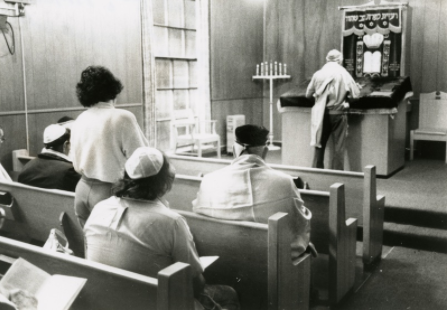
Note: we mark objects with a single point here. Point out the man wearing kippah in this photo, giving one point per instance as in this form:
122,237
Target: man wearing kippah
330,86
250,190
52,169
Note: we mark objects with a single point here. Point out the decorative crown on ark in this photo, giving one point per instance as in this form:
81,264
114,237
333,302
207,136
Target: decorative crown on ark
373,41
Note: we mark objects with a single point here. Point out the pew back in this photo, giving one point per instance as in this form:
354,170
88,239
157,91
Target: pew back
253,258
248,256
361,197
34,210
331,233
108,287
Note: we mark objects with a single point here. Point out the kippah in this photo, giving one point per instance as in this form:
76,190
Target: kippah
334,56
251,135
144,162
52,133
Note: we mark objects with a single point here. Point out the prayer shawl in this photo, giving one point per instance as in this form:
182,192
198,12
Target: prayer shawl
329,86
250,190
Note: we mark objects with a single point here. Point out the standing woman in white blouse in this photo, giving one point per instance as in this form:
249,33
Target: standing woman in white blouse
102,138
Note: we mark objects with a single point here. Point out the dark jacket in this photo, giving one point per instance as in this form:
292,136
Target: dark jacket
51,172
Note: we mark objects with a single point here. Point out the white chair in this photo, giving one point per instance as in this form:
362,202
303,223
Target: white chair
187,132
432,120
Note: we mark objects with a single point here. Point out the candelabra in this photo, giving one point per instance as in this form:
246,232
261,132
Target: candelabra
271,72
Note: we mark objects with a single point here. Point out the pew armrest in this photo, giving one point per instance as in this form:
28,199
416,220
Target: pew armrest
8,207
373,233
351,222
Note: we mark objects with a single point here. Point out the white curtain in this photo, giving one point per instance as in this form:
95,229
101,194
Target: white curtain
203,62
149,108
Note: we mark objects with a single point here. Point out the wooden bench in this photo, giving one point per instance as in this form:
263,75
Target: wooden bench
33,212
331,232
19,159
362,201
110,288
254,258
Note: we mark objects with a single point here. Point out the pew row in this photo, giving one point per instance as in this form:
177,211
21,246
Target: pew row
331,232
362,201
109,288
253,257
33,212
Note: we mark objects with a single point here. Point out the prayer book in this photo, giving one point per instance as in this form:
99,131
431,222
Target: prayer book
52,292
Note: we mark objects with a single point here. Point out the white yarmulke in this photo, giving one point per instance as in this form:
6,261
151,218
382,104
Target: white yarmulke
144,162
53,132
334,56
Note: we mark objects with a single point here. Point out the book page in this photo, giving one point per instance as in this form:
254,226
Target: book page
207,260
58,292
25,276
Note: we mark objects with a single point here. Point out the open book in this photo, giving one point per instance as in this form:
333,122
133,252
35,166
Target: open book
53,292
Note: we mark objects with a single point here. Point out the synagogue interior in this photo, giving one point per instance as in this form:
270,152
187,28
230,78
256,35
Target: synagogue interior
342,103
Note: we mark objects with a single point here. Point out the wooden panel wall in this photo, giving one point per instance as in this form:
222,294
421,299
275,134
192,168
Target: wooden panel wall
61,38
236,45
300,33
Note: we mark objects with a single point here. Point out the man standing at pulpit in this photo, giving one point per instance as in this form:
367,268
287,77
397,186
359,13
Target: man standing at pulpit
331,86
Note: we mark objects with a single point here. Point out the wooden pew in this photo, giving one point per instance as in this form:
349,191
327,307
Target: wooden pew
253,259
331,233
362,201
32,213
19,159
108,287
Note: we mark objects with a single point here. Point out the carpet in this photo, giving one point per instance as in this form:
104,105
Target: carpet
405,279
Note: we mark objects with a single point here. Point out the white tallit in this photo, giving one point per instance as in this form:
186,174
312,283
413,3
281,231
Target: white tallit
329,86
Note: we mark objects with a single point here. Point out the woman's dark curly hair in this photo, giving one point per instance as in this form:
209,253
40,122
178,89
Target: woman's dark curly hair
148,188
97,84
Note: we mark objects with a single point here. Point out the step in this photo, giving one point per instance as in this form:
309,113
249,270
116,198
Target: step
420,217
424,238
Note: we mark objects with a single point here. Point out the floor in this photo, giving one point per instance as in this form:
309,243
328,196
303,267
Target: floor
410,277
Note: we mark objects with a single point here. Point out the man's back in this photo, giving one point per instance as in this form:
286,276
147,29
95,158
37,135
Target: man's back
250,190
333,80
50,171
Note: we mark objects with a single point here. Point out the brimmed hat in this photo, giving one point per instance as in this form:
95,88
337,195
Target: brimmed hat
144,162
251,135
53,132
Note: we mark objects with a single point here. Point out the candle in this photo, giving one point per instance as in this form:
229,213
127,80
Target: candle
262,69
271,69
280,69
257,70
276,68
285,69
266,69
